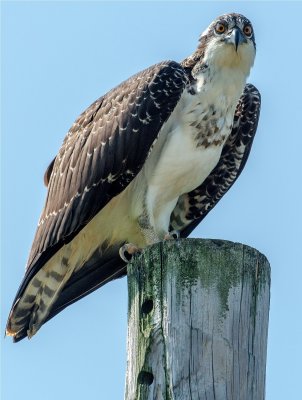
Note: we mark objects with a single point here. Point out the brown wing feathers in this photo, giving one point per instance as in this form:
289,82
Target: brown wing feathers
103,151
198,203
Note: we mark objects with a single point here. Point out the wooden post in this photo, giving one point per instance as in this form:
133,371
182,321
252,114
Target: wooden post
197,322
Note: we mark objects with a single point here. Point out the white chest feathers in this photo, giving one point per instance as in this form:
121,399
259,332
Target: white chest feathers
188,148
190,143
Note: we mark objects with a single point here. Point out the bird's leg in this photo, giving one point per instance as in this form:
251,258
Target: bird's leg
172,235
127,251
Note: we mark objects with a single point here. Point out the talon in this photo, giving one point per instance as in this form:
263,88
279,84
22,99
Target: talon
173,235
127,251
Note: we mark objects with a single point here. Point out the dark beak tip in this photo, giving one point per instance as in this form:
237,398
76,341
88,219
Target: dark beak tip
237,38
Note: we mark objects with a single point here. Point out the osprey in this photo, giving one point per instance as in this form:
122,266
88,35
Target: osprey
144,163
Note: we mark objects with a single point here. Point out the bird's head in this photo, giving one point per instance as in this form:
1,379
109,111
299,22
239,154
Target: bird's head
229,41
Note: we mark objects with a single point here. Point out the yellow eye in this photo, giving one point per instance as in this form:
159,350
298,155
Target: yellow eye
247,30
220,28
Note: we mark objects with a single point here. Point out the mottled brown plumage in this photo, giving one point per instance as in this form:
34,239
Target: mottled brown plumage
99,184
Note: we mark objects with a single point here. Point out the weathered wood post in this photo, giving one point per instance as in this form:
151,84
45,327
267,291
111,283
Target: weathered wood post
198,321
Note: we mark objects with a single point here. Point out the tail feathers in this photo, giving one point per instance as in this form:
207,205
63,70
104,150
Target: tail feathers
32,308
47,295
35,302
18,320
15,325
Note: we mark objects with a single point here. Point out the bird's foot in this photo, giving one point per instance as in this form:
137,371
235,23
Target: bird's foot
172,235
127,251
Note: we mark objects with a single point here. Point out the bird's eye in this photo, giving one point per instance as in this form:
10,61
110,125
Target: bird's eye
247,30
220,28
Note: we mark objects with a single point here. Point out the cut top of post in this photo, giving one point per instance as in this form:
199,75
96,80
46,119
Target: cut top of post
198,318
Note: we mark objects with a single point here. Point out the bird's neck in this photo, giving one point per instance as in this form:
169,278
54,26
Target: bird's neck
219,82
220,65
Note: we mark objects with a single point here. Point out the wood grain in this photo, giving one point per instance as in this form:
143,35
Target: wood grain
197,322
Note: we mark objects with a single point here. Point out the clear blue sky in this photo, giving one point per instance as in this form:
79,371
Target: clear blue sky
57,58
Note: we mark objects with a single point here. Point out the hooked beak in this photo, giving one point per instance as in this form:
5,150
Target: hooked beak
236,38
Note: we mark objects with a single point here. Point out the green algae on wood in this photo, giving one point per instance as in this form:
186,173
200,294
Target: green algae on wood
198,317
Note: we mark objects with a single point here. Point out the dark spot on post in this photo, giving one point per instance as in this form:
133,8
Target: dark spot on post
147,306
145,378
218,243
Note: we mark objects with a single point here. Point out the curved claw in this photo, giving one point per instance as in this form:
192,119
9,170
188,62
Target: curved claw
173,235
126,252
